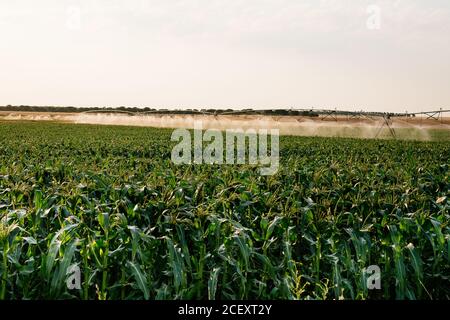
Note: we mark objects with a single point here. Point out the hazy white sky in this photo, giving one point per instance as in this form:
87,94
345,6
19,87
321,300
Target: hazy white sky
226,53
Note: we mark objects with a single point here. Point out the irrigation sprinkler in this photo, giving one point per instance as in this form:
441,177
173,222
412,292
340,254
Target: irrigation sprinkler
356,115
434,115
330,114
388,123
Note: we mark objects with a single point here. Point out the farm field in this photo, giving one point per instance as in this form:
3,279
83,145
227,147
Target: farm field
109,200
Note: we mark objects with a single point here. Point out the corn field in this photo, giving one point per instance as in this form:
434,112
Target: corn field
110,201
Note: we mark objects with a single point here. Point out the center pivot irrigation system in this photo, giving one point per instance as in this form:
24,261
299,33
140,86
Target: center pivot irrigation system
386,121
276,114
323,114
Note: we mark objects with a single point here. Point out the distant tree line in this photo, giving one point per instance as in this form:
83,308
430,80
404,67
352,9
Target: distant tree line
135,110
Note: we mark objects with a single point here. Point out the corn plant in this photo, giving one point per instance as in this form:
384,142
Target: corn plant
110,201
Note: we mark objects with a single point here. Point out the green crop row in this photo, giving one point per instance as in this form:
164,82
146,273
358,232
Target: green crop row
110,201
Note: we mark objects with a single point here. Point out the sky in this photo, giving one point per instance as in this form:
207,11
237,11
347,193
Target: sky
387,55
